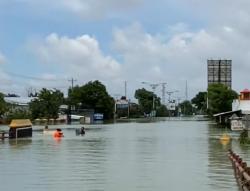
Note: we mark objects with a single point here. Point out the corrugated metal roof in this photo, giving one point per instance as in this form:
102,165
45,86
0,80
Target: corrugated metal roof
245,91
225,113
19,100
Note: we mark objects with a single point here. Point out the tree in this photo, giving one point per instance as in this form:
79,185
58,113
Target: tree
92,95
3,105
220,98
186,108
47,104
18,114
145,100
162,111
200,101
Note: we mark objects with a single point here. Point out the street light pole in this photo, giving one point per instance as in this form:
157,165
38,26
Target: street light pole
153,86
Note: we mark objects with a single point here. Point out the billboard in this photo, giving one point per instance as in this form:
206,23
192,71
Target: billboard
219,71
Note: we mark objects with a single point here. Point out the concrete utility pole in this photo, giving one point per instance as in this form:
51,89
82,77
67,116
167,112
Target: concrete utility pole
70,106
186,91
125,87
72,80
170,93
153,86
163,93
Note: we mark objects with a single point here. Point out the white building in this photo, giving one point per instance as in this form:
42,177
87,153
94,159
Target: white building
243,102
19,102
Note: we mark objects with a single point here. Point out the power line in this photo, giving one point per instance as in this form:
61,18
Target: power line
32,77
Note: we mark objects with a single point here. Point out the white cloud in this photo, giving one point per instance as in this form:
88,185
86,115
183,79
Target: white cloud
150,57
78,57
175,56
146,57
183,57
4,77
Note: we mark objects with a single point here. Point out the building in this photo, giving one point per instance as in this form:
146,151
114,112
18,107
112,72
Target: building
219,71
239,117
19,102
122,107
243,102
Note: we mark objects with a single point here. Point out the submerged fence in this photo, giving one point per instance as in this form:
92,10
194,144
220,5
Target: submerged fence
241,170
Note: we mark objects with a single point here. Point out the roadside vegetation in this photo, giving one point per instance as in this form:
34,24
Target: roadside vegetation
94,95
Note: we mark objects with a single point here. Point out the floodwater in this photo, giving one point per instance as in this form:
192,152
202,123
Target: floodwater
165,155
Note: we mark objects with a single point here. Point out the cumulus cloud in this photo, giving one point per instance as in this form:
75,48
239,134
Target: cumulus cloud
183,56
147,57
4,77
173,56
78,57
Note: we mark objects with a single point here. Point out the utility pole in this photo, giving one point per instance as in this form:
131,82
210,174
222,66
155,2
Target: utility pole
163,93
72,80
125,86
153,86
70,106
186,91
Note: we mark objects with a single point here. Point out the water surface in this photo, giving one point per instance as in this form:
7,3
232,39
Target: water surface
165,155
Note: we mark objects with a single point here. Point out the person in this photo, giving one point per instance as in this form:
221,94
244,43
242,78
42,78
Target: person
58,133
82,131
46,131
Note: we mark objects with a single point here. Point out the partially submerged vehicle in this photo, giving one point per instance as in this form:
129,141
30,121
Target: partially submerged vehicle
20,128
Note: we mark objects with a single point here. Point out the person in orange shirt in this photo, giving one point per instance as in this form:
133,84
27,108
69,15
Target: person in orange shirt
58,133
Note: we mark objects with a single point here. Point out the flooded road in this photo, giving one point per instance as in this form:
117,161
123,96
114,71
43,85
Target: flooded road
164,155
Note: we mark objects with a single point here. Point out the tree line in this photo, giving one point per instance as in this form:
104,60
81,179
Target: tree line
93,95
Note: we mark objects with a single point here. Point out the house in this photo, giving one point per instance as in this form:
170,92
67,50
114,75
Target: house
239,117
19,102
243,102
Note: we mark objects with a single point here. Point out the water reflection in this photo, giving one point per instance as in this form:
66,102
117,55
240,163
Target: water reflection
220,170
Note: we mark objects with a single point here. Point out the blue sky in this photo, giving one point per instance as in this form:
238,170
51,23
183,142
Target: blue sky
45,43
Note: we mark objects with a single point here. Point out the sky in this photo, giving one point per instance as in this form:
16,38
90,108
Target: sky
45,44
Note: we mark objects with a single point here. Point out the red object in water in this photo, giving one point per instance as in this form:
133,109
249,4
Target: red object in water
57,134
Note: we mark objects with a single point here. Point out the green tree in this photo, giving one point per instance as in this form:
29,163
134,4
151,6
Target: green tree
162,111
200,101
220,98
186,108
92,95
3,105
145,100
47,104
18,114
